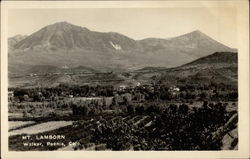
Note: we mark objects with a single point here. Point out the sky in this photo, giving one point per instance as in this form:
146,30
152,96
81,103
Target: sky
137,23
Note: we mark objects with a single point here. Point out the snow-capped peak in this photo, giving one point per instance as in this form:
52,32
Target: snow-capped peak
115,46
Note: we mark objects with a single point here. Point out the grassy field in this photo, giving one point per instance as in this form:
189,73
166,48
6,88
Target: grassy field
42,127
18,124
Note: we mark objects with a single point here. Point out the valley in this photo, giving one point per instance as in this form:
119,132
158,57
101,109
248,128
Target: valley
106,91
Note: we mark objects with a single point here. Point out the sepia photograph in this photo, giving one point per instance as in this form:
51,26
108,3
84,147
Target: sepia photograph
123,78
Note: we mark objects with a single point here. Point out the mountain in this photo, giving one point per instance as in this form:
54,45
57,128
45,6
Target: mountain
193,45
64,44
64,35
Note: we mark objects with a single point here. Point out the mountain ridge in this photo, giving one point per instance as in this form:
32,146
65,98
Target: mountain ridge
67,36
222,57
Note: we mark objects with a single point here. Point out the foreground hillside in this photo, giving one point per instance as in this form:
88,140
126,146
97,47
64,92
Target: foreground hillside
220,67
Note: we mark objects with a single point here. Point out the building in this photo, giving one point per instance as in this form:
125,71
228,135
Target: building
174,91
33,74
122,87
10,95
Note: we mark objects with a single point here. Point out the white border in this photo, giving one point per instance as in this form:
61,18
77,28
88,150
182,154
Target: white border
243,50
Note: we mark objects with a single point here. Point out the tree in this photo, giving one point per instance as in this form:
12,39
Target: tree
131,109
183,109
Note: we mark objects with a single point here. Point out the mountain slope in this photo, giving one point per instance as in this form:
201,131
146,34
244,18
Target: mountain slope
220,67
14,40
218,57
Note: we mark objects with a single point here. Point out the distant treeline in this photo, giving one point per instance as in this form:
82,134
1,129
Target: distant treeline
187,92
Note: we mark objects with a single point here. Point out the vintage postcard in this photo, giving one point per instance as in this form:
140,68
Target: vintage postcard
125,79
